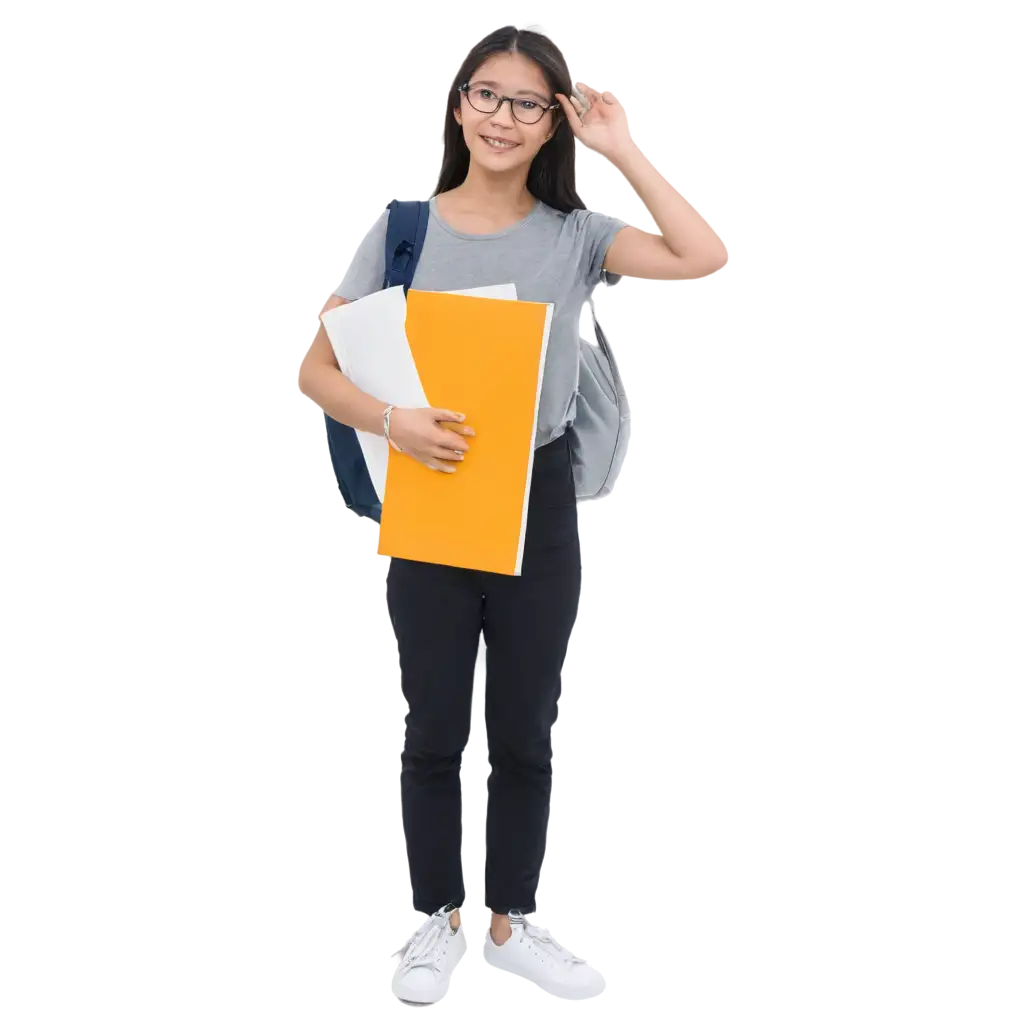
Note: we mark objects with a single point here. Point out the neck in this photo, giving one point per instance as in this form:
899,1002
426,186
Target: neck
502,192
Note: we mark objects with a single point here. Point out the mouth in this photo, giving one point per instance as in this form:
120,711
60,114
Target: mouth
497,143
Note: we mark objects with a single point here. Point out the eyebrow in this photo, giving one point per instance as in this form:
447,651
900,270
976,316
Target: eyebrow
522,92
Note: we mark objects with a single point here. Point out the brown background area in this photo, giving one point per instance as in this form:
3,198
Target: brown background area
197,713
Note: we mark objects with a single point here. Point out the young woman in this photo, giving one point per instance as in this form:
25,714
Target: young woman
505,209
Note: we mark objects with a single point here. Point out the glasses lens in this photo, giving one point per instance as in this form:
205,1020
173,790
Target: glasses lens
528,111
482,99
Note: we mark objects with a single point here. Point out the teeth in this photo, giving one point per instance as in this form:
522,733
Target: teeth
498,145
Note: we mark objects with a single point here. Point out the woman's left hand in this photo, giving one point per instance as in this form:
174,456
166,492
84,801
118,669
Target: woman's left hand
603,127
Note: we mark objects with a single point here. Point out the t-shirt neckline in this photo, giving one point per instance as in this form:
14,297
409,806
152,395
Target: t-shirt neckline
494,234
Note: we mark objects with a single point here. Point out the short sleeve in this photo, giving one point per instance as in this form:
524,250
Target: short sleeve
365,274
596,232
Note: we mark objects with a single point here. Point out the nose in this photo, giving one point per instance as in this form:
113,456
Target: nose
496,116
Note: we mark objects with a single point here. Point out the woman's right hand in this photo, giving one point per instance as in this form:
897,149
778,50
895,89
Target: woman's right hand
419,433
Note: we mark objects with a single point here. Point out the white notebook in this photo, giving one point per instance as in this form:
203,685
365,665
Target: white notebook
369,342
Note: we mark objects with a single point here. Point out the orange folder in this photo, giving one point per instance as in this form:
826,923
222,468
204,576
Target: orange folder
482,357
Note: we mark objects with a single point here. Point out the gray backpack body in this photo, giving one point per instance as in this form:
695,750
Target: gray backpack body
599,435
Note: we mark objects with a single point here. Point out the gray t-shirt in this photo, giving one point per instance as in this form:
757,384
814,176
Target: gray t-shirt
550,256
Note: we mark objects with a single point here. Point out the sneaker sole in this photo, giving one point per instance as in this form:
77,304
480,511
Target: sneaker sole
415,998
561,993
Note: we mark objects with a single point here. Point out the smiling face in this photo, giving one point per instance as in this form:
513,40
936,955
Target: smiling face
506,74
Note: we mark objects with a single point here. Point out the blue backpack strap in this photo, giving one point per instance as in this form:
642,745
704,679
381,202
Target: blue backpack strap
407,227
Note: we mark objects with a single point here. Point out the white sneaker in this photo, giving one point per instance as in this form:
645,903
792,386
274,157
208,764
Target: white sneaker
428,958
532,953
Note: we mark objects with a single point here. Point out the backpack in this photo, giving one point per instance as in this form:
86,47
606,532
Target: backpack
407,225
599,434
598,437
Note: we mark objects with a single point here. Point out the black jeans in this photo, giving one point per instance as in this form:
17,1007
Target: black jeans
438,613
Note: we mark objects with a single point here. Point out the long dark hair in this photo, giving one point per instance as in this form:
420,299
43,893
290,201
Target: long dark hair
552,175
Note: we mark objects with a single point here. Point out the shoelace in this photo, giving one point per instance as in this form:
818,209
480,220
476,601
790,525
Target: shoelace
542,935
419,951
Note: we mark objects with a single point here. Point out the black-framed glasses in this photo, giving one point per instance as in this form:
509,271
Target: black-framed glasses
488,102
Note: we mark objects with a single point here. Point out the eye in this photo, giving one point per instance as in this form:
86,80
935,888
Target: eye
527,104
484,93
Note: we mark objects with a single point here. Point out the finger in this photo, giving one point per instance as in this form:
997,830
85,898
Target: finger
447,416
451,438
570,111
592,95
581,108
452,441
608,98
431,464
446,455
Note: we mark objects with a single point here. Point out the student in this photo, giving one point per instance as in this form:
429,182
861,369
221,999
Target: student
505,209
